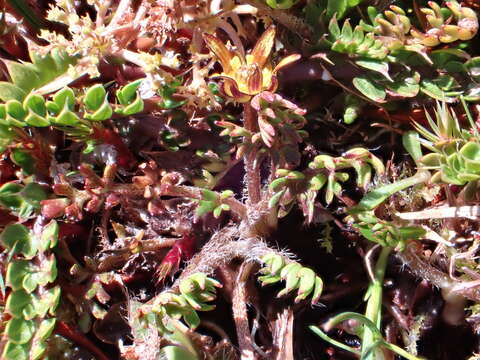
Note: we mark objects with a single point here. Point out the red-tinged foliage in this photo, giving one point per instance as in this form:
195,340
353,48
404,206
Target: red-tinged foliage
182,250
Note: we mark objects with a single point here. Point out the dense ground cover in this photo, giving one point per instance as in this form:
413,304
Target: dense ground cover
239,179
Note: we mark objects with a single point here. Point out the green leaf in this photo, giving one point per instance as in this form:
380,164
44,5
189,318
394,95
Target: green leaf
49,237
20,331
9,197
16,301
33,119
31,281
38,350
209,195
52,298
64,96
191,318
15,352
177,353
379,195
23,159
406,86
22,76
431,89
8,91
133,108
95,97
205,207
103,113
217,212
45,329
334,29
340,7
127,94
375,65
67,117
370,89
49,270
17,233
33,193
36,103
48,71
15,109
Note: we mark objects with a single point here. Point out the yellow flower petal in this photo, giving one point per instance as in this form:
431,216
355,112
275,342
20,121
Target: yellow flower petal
220,50
230,89
267,77
236,63
263,47
290,59
254,80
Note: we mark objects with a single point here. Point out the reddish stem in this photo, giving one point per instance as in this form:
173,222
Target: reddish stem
252,172
78,338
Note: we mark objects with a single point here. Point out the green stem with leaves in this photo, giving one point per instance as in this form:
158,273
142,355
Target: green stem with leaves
373,311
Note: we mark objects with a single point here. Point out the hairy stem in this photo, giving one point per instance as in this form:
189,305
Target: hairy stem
240,313
252,172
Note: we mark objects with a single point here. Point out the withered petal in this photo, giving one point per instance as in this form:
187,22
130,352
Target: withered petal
220,50
263,47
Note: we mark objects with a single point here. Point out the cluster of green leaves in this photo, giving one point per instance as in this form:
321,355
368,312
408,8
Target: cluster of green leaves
355,41
22,200
213,202
45,74
323,172
33,300
390,40
296,277
168,308
383,232
454,152
62,111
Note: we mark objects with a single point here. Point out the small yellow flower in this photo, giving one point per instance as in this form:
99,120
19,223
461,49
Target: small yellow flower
247,76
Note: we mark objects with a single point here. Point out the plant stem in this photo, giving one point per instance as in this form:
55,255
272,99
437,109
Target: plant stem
240,312
252,172
374,305
334,342
398,350
78,338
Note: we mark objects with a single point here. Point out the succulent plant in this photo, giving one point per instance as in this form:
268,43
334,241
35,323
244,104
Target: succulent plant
296,277
32,300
